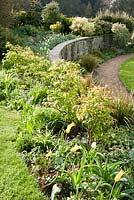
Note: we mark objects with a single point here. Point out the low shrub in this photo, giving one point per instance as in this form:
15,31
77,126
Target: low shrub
66,23
88,62
8,35
103,27
81,26
121,35
56,27
27,30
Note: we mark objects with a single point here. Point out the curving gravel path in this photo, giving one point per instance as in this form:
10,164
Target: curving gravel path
107,74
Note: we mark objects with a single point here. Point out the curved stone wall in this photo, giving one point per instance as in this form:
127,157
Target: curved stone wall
73,49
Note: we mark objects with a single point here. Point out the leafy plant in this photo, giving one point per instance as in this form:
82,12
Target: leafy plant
88,62
123,111
81,26
121,34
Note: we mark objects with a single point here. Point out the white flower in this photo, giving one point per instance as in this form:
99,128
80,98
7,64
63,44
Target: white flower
55,190
93,145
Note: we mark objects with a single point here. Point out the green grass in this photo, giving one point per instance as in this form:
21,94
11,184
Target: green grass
126,74
15,181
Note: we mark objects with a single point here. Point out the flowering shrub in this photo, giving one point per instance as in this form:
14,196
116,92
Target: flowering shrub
56,27
82,27
50,14
121,34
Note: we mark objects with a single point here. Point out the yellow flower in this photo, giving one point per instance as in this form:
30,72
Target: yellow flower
75,148
49,154
119,175
69,127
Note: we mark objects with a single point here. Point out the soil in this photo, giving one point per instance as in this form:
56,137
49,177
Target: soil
107,75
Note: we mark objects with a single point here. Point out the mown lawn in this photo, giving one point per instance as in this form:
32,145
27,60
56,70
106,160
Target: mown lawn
15,181
126,73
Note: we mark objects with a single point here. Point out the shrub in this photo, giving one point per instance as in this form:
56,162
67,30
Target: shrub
88,62
29,30
56,27
66,23
8,35
94,111
50,14
30,17
114,17
103,26
81,26
121,34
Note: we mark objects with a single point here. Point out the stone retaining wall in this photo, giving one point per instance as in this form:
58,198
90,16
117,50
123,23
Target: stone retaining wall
73,49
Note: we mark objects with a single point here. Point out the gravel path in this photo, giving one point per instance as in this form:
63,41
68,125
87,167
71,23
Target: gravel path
107,74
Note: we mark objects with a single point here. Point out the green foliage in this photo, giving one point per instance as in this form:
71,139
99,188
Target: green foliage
102,27
61,114
50,14
88,62
105,55
94,112
66,23
126,74
28,30
48,42
81,26
117,17
121,34
30,17
123,111
8,35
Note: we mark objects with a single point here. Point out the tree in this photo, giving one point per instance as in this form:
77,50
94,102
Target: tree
5,13
123,5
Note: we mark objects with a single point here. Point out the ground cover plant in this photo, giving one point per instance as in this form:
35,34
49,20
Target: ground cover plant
64,126
126,73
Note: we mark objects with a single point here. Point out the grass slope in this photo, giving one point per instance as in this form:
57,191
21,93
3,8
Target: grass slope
126,73
15,180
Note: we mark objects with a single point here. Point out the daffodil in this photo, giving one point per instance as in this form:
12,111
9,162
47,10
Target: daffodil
119,175
75,148
69,127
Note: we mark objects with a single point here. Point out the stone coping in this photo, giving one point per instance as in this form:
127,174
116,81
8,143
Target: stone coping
72,49
56,51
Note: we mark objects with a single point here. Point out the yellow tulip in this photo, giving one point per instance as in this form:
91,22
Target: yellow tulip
69,127
119,175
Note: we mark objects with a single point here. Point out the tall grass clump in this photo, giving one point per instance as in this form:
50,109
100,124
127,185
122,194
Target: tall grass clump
123,111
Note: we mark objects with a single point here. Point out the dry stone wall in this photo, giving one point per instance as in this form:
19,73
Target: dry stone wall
73,49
